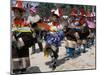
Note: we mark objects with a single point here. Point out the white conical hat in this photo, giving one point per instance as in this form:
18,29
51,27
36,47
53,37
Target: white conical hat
33,9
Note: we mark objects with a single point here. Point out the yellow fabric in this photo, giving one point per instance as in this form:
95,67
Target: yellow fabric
46,54
21,29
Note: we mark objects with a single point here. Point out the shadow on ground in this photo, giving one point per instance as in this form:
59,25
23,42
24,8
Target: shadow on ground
30,70
59,62
34,69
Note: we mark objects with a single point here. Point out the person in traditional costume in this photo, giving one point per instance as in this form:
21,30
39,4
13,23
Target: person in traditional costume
73,11
56,16
20,52
53,40
93,14
18,19
70,44
83,32
74,19
33,20
92,26
82,11
81,22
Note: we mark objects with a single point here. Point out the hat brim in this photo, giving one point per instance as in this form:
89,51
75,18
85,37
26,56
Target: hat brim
20,9
82,15
89,16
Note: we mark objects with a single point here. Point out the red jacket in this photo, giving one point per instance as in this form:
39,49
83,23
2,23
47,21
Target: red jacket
19,22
